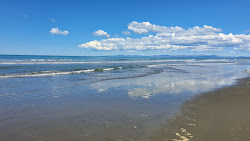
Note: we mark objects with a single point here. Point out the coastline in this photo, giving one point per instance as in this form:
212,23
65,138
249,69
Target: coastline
220,115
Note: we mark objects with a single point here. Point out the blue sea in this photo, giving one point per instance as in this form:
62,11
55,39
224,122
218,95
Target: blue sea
57,98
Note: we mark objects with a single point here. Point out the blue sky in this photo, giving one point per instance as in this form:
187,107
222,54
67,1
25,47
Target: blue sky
59,27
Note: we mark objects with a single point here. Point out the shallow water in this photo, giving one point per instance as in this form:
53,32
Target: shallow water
102,98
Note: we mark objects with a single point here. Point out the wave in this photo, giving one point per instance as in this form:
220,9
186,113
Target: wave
52,73
49,60
34,74
107,69
37,60
70,61
30,63
213,60
151,66
126,77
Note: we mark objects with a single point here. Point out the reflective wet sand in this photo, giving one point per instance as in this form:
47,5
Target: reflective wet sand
221,115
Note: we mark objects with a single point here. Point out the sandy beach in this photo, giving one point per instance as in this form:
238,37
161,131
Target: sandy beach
221,115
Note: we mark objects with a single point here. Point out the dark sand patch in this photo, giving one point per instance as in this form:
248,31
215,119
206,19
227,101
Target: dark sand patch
221,115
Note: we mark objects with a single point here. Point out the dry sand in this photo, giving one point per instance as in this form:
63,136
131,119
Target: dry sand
221,115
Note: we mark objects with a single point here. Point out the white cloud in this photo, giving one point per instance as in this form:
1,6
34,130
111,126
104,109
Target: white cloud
97,45
57,31
146,27
126,32
206,38
101,33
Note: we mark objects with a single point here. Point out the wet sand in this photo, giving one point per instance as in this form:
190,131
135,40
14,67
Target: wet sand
220,115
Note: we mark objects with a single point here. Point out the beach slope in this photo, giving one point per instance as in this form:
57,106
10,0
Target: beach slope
221,115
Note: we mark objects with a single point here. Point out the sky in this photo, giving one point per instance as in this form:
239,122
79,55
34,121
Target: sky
125,27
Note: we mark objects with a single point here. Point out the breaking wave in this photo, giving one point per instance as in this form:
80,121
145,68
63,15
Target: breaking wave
52,73
70,61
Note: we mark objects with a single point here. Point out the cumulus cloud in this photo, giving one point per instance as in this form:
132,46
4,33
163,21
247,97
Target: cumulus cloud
205,38
101,33
126,32
146,27
57,31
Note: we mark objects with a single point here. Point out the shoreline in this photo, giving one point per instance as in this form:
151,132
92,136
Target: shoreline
219,115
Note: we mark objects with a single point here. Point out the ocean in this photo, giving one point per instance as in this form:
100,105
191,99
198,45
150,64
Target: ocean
103,97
